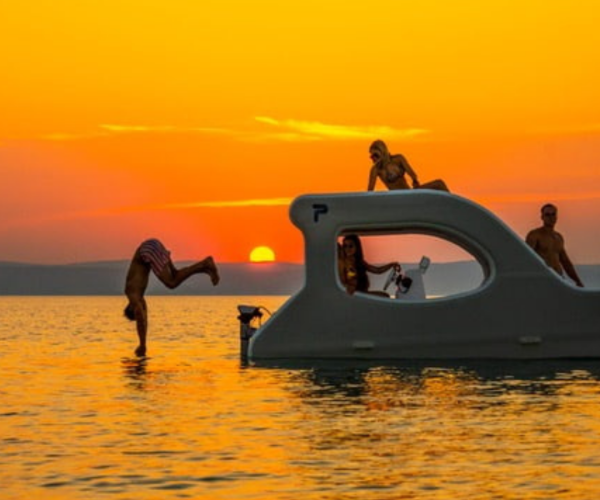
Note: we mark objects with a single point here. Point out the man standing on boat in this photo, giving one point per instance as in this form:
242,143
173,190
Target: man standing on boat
152,255
391,169
550,245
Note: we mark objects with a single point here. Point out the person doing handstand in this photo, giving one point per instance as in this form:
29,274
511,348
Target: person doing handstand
152,255
391,169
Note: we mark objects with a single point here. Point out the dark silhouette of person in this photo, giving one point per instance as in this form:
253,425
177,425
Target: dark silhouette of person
391,170
550,245
152,255
353,267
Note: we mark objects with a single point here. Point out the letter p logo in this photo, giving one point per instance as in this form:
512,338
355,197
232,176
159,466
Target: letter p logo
319,209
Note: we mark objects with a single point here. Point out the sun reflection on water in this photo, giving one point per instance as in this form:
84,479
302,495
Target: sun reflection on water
84,418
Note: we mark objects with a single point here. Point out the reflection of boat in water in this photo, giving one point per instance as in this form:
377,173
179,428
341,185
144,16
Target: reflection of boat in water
521,310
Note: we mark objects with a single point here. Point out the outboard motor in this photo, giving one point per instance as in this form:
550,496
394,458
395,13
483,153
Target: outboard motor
247,327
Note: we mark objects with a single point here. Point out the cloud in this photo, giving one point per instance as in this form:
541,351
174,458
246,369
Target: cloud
165,129
278,130
510,198
59,136
271,129
265,202
312,130
136,128
49,218
111,130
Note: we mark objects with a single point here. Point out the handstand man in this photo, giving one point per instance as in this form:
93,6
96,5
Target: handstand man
152,255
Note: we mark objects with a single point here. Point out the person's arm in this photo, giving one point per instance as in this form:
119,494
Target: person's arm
409,170
383,268
531,239
372,178
569,268
141,322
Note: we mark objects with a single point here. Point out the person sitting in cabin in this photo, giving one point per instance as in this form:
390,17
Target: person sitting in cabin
550,245
152,255
353,268
391,169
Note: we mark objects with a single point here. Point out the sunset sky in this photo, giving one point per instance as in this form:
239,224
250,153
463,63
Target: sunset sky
198,121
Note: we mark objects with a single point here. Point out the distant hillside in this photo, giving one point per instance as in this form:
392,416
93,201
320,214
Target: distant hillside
107,278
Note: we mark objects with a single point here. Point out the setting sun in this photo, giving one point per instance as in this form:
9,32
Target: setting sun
262,254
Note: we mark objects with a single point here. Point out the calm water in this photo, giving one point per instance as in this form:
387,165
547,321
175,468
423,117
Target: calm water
81,417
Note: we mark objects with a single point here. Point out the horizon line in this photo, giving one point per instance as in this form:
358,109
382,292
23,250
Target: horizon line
127,260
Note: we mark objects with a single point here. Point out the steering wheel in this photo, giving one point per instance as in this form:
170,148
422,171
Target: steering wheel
390,277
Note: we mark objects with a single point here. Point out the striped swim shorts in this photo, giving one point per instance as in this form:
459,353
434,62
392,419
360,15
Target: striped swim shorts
154,253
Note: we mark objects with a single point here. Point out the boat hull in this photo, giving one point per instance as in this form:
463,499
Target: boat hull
522,310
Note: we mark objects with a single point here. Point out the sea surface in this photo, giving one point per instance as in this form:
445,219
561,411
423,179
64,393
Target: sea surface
82,418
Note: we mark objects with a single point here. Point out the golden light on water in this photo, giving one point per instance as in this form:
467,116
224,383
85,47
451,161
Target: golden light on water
84,418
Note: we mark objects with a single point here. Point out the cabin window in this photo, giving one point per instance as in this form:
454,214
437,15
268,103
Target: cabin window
435,267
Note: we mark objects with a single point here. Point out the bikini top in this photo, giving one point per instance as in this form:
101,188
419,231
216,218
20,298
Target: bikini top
350,273
393,172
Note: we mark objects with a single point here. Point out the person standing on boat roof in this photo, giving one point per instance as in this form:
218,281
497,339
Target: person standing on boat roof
352,267
152,255
550,245
391,169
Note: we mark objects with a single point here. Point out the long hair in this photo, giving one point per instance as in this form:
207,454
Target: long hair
362,280
381,148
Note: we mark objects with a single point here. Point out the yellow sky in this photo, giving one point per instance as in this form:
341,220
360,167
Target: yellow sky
221,63
147,103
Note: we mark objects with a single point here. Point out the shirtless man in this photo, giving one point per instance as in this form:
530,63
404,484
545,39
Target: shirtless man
152,255
390,169
550,245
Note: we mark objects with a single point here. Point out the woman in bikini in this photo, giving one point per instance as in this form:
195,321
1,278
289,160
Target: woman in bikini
391,169
353,267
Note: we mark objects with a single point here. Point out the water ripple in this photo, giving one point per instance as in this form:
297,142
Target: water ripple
83,417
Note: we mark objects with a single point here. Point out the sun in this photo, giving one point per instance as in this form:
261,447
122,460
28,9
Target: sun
262,254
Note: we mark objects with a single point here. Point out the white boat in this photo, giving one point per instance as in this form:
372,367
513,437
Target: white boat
522,310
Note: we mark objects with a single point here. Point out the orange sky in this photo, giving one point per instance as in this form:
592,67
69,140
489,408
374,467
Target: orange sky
197,122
